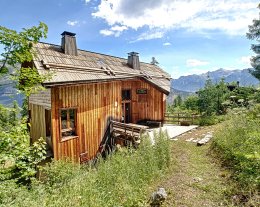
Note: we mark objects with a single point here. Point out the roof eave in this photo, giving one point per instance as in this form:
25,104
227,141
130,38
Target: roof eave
157,86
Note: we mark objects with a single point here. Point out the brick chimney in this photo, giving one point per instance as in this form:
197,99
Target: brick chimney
133,60
68,43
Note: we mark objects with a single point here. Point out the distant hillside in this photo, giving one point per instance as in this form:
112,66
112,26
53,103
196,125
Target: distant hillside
8,92
174,93
193,83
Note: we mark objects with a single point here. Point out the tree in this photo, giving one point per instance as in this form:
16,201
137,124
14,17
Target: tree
254,34
211,97
177,101
191,103
14,138
17,49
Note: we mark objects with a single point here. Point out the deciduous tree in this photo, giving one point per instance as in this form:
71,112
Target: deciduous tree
254,34
17,49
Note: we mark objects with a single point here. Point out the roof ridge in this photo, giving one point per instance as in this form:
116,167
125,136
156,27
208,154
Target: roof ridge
97,53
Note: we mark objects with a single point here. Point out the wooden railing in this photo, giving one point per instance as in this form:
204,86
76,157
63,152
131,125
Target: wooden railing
180,118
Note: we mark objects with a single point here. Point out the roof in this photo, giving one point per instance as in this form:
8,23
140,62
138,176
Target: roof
92,67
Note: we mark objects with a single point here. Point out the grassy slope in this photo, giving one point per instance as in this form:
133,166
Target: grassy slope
195,180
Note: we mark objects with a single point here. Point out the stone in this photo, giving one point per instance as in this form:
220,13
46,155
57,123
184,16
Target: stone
158,197
197,179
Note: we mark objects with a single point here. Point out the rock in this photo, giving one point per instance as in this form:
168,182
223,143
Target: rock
197,179
158,197
204,140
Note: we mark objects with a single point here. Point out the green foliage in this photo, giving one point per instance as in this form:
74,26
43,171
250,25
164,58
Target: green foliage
18,158
191,103
211,97
17,45
254,34
238,145
25,167
28,80
9,116
17,51
177,101
123,179
206,120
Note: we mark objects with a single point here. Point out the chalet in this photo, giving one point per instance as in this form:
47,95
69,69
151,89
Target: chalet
88,90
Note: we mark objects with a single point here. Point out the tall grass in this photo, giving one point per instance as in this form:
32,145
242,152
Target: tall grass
237,143
123,179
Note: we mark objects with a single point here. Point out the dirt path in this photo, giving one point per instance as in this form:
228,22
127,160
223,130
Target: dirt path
195,180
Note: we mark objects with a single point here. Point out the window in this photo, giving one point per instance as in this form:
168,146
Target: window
68,123
126,95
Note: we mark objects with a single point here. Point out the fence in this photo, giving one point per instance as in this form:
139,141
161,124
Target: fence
183,119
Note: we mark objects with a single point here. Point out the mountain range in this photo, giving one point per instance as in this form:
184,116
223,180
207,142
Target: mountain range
183,86
8,92
188,85
192,83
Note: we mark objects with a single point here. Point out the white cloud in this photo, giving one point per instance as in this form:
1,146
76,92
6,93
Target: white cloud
118,28
245,60
231,17
87,1
149,36
72,23
115,31
167,44
195,63
106,32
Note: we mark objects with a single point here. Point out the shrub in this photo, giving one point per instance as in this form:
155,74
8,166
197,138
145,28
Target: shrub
120,180
205,120
237,144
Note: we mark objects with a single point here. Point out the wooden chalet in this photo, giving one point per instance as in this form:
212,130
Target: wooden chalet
88,90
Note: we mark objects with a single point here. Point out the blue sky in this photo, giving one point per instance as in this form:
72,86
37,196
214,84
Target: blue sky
185,36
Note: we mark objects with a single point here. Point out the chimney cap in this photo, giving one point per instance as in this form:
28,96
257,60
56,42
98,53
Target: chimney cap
133,53
68,33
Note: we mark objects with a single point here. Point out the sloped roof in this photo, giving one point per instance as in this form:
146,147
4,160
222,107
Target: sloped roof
92,67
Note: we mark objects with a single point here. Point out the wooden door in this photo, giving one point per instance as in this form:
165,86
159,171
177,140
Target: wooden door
126,110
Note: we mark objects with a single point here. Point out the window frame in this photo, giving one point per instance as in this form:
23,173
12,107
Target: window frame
130,94
61,130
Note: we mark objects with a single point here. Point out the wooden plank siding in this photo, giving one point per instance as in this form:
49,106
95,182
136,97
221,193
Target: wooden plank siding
96,104
37,121
148,106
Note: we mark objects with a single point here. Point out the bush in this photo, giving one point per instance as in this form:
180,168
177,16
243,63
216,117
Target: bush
123,179
205,120
237,144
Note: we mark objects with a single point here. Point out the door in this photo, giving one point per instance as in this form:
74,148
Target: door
48,130
126,106
126,110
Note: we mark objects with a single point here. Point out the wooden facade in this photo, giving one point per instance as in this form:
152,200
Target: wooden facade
96,104
86,91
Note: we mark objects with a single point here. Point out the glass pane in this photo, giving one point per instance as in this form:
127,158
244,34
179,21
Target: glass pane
68,122
63,119
72,118
126,95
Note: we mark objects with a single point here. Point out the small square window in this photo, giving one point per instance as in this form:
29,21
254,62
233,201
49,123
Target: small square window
68,122
126,95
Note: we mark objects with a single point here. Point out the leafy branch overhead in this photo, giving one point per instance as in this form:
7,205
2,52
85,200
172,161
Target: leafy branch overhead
254,34
17,49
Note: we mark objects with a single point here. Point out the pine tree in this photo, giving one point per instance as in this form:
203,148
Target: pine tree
254,34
